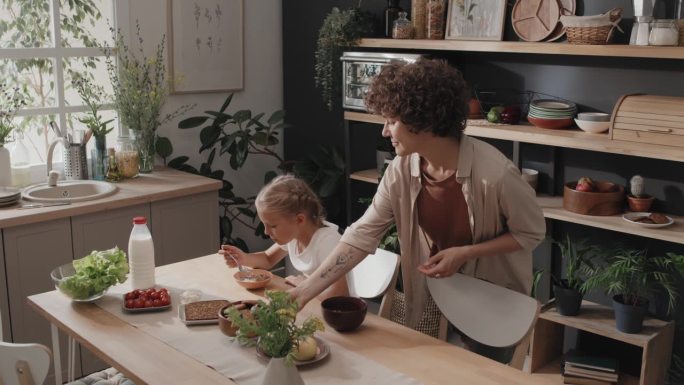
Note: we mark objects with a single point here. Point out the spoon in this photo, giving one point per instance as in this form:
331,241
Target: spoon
243,269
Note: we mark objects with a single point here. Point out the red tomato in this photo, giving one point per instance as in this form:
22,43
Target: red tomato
139,303
137,293
129,296
163,290
149,303
156,302
144,297
155,295
165,300
130,303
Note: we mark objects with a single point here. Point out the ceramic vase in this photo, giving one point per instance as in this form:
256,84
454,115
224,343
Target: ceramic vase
5,167
278,372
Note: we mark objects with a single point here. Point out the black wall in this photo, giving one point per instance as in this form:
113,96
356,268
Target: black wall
595,83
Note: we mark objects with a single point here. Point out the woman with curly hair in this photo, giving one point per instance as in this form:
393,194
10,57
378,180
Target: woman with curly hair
458,203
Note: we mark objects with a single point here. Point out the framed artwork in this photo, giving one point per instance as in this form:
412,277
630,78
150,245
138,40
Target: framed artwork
206,45
476,19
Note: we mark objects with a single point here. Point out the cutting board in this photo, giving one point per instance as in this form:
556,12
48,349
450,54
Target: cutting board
567,8
535,20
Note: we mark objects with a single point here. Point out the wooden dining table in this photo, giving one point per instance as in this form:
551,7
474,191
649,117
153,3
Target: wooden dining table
147,360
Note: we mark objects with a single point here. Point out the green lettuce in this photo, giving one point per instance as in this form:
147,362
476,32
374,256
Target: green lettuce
96,272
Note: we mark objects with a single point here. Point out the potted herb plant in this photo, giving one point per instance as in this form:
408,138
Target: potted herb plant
638,200
278,336
93,96
577,259
631,277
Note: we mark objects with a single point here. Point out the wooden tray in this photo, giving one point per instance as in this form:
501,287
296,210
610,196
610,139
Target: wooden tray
649,119
567,8
535,20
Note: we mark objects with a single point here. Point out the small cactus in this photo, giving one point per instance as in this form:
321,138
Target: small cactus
637,186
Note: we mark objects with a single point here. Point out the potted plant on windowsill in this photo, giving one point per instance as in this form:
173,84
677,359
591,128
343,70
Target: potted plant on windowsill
577,258
631,277
277,335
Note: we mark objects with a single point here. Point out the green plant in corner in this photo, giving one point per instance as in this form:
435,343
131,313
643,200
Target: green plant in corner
274,324
341,30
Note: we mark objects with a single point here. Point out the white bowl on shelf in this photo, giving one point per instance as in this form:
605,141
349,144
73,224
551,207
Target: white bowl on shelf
594,116
592,127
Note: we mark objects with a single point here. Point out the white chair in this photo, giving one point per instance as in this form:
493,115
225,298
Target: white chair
23,364
487,313
374,275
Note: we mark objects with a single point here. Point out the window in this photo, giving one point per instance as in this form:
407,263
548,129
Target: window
44,44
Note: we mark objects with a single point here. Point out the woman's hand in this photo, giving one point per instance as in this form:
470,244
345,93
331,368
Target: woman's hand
227,250
446,263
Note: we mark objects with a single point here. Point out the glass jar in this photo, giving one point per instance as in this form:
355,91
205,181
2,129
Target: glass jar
435,19
391,14
402,27
127,159
419,18
664,32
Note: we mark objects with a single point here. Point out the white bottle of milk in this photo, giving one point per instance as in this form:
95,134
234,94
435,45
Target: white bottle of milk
141,255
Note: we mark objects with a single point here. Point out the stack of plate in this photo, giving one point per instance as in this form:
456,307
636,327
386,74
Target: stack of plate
553,114
9,196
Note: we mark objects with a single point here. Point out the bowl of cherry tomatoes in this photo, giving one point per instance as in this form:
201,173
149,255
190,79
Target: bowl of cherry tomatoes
145,300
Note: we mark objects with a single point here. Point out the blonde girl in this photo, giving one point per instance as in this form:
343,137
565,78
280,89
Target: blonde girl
293,217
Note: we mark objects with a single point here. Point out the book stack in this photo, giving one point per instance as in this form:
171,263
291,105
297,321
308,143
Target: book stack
582,369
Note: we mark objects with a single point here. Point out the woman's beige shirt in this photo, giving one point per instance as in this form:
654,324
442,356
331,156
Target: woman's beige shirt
498,200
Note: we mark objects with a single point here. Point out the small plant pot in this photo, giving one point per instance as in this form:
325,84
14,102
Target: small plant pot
568,301
640,204
628,318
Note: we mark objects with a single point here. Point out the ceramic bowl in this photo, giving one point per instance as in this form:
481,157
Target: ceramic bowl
594,116
60,277
608,200
553,124
253,279
593,127
530,176
225,325
344,313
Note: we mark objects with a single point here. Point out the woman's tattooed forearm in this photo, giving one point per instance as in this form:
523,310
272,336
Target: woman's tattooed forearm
341,261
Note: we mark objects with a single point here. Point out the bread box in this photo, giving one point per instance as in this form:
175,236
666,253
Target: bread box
649,119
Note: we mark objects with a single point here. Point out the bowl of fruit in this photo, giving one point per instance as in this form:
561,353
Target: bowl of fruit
589,197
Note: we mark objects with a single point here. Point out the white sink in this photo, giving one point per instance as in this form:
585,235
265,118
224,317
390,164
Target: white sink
69,191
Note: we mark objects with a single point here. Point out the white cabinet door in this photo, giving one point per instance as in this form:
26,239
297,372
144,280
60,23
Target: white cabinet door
185,228
5,332
100,231
31,252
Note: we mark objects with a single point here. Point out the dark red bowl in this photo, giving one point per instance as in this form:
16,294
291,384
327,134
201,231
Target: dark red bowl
552,124
344,313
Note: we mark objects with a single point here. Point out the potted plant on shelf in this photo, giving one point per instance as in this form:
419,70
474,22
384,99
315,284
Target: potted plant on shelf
277,335
577,258
638,200
631,277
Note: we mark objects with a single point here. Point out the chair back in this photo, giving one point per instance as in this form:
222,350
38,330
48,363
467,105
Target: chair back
23,364
487,313
372,277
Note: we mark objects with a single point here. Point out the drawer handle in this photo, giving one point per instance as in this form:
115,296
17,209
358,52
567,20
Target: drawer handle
661,130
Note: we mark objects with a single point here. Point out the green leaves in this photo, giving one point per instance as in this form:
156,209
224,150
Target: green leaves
192,122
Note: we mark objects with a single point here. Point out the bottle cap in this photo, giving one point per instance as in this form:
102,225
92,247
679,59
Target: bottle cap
139,220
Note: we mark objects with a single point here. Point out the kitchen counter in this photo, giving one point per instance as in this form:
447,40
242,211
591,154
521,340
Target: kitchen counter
164,183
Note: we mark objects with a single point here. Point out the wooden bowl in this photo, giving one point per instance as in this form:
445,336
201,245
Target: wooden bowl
225,325
254,279
608,201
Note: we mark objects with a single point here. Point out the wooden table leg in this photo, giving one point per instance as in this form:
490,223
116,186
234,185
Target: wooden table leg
56,359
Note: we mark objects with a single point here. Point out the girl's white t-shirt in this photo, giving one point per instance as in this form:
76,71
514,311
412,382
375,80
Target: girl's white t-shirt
322,243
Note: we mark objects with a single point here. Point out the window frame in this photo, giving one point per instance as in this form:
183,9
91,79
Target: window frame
57,53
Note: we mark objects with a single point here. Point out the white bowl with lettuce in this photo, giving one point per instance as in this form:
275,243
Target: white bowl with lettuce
88,279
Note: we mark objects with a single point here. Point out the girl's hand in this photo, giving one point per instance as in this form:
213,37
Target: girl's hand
238,254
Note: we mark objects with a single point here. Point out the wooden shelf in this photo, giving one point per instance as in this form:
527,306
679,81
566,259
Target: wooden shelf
553,209
571,138
655,340
613,50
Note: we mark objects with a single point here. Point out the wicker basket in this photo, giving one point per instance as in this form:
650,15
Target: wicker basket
592,30
429,322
